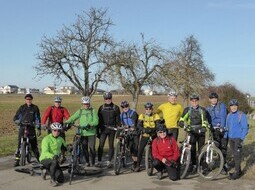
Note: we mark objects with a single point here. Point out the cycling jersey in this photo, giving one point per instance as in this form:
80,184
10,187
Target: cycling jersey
171,114
55,114
86,117
148,121
51,146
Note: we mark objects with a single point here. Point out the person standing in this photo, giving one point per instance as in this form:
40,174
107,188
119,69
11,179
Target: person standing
52,146
55,113
172,112
109,118
147,124
198,119
237,130
88,121
28,113
129,120
166,153
218,114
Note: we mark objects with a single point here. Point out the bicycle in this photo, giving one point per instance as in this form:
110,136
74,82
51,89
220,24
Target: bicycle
148,157
75,154
25,146
210,159
121,152
185,150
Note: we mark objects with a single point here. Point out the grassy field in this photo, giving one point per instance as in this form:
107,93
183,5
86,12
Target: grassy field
10,103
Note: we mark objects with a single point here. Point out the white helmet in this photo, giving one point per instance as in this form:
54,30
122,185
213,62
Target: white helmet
58,99
85,100
172,93
56,126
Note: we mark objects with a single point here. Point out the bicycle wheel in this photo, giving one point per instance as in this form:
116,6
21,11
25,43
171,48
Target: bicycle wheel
117,158
184,162
210,162
148,160
74,161
23,154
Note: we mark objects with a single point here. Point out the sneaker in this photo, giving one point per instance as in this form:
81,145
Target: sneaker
108,164
234,175
43,174
53,183
16,163
87,164
159,175
99,164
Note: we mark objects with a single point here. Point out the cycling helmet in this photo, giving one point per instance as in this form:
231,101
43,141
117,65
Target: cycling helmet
213,95
28,96
85,100
172,93
124,104
58,99
194,96
107,95
233,102
161,127
148,105
56,126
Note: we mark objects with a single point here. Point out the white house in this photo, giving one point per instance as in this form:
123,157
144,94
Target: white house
10,89
49,90
1,90
21,91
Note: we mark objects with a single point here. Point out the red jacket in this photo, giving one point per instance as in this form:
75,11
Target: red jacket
163,148
55,114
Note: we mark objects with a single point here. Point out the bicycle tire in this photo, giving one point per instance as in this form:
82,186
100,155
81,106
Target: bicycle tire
74,161
148,160
186,162
23,154
117,158
210,170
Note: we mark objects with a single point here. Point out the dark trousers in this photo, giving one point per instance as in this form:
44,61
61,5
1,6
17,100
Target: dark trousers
54,169
174,132
111,136
132,143
194,139
223,143
171,170
88,144
32,141
142,144
236,148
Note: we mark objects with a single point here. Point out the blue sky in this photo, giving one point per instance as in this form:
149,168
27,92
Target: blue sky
225,30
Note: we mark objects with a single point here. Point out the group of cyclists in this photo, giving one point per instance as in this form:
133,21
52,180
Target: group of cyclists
164,132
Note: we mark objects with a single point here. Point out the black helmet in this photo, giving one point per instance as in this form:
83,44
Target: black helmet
194,96
161,127
107,95
213,95
148,105
124,104
233,102
28,96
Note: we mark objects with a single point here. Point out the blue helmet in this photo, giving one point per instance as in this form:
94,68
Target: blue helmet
233,102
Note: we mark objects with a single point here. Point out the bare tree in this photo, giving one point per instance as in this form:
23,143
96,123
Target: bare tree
78,52
135,64
186,71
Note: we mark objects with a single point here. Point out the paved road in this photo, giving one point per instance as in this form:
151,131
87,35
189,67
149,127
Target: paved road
9,179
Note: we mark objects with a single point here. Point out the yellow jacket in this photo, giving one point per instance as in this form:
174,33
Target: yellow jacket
171,114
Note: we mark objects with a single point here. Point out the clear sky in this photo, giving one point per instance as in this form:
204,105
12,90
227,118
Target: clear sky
224,28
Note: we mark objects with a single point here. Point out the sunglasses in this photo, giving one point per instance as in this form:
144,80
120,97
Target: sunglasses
107,98
124,106
86,104
55,130
148,109
28,99
162,132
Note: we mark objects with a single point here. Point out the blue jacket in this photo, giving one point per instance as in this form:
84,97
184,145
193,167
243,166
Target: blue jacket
237,125
218,114
129,118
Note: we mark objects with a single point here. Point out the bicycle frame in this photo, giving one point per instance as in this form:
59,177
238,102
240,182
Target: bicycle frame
186,145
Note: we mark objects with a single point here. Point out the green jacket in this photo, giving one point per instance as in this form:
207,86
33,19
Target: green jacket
51,146
86,117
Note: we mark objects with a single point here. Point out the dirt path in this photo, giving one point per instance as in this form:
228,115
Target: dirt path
9,179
